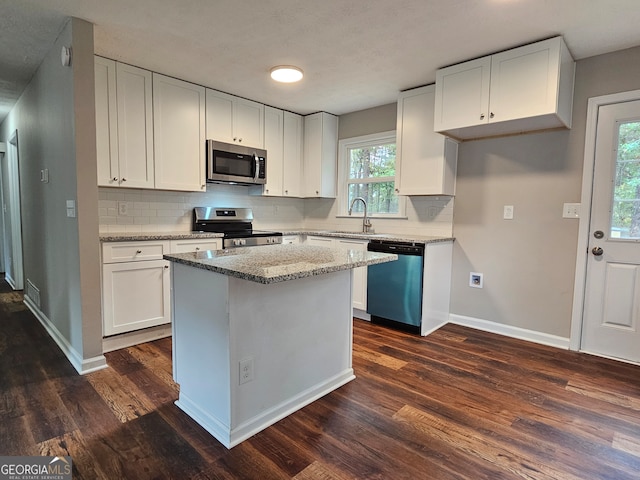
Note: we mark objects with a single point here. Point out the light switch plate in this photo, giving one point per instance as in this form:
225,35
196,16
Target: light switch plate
71,208
508,212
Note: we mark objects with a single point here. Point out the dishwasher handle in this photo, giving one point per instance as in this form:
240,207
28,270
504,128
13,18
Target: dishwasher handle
397,248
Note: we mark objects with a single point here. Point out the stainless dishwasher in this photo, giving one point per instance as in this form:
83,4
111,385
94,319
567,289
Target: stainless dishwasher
394,289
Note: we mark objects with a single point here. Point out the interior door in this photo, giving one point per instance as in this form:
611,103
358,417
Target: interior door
612,295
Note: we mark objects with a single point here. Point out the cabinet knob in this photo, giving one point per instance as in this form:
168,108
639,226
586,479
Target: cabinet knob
286,192
482,116
138,252
115,179
124,179
235,139
166,266
317,192
397,190
239,140
491,115
203,187
197,249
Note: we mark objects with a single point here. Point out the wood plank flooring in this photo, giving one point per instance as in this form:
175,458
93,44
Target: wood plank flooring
458,404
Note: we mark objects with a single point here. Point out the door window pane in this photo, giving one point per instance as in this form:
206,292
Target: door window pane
625,211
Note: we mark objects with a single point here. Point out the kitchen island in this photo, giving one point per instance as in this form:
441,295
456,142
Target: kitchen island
260,332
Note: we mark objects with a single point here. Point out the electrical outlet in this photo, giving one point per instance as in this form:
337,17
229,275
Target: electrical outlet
476,280
246,370
123,208
508,212
571,210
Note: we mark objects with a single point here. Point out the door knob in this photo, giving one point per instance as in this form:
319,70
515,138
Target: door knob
597,251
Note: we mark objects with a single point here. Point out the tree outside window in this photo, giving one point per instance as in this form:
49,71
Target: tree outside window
625,214
370,173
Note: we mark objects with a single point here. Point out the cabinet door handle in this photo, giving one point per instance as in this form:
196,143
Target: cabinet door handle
240,140
138,252
235,139
124,179
166,266
197,249
115,179
482,116
491,115
397,190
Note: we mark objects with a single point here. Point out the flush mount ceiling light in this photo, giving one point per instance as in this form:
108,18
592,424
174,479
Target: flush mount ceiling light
286,74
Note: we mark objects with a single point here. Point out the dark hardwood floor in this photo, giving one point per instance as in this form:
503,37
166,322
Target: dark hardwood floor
458,404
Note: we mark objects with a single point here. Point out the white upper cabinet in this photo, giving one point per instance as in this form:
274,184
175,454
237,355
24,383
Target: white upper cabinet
274,145
106,122
234,120
320,155
124,124
524,89
425,161
292,155
179,134
283,138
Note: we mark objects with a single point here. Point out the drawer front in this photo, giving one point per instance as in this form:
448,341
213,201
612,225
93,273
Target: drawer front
184,246
133,251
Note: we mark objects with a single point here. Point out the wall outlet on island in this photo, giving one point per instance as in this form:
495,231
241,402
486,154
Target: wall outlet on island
246,370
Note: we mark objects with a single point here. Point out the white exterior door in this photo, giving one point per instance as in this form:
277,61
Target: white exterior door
611,320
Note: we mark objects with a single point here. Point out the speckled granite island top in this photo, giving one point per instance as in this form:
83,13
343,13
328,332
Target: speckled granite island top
146,236
278,263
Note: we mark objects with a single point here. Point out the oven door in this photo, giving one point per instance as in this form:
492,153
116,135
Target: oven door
235,164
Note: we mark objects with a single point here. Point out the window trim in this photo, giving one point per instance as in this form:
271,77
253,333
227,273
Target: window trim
343,170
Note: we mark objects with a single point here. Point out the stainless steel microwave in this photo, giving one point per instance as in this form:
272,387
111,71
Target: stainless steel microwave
230,163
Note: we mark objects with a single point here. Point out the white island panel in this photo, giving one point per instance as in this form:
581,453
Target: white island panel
298,333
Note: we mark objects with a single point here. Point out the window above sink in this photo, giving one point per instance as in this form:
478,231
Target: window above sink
367,169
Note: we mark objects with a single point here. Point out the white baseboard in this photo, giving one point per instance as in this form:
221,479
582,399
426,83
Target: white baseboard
230,437
511,331
125,340
82,365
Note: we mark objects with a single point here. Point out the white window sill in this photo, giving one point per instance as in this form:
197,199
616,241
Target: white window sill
375,217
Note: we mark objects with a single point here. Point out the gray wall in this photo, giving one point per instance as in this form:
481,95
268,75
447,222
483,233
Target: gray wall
528,262
55,119
364,122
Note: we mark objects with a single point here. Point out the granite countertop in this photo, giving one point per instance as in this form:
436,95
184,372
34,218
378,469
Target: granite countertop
139,237
278,263
144,236
400,237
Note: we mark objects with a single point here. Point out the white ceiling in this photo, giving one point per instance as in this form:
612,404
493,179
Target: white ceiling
355,54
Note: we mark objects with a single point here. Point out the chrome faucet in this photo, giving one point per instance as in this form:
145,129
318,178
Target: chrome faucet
366,223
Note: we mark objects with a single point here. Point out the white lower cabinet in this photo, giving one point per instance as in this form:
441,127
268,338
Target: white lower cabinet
183,246
136,282
359,290
319,241
290,239
135,295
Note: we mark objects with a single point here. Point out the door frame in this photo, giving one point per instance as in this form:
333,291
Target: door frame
582,254
12,156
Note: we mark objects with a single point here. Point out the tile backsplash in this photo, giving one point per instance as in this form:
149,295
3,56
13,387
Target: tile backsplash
136,210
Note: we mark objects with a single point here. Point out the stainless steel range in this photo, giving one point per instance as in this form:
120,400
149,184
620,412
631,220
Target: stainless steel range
236,225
